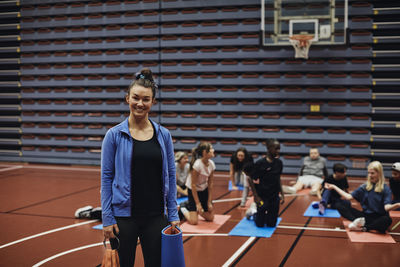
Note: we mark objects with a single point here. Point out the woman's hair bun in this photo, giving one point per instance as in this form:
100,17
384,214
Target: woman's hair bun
146,74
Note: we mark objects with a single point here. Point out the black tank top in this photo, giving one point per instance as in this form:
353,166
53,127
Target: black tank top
146,173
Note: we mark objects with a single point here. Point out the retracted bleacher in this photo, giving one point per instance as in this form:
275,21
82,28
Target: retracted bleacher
216,82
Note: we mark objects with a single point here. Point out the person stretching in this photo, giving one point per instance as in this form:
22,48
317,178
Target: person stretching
375,199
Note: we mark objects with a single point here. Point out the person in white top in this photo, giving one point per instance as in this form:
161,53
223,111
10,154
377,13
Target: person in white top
182,172
199,183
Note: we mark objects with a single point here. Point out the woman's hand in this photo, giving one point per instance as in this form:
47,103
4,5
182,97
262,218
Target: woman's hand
234,187
174,224
199,207
256,181
108,231
258,201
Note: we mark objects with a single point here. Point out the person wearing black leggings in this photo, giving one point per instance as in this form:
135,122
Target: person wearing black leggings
375,199
138,180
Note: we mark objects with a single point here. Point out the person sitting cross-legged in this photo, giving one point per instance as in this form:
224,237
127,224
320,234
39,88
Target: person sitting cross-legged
311,174
331,197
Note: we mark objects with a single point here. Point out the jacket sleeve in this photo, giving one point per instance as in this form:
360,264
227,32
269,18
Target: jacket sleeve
107,176
171,197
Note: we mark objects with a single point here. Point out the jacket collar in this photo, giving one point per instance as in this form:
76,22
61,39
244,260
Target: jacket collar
125,126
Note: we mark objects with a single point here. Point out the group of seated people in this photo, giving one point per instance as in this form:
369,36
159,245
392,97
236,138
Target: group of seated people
195,179
375,196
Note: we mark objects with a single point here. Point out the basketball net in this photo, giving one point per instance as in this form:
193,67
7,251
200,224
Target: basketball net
301,44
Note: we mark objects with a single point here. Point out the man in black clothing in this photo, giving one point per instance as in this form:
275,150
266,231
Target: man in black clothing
265,182
331,197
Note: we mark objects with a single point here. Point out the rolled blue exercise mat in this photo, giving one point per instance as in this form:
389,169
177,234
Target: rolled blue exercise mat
172,254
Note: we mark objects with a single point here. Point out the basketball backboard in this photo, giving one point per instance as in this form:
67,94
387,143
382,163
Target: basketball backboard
326,20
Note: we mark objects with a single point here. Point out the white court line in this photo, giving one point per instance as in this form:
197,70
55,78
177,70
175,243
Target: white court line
337,229
98,244
312,228
66,252
46,233
11,168
239,251
226,200
227,263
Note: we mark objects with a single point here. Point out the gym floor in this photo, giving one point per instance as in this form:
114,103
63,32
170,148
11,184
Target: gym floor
38,228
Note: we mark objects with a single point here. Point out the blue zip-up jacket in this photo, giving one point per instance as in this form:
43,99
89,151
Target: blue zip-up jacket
116,158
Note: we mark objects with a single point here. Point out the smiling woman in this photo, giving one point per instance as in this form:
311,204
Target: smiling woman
375,199
138,182
140,97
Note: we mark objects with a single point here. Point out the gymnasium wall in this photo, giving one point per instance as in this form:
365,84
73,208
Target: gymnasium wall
76,59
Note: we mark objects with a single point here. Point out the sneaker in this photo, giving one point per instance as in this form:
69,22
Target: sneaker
354,227
360,222
315,204
321,208
288,189
251,211
83,213
357,224
313,192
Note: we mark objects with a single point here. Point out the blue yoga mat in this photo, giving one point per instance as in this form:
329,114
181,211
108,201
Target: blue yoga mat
248,228
172,248
240,187
329,213
181,199
98,227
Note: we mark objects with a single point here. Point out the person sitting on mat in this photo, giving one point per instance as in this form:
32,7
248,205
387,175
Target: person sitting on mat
375,199
311,174
200,183
265,182
182,171
236,175
331,197
394,183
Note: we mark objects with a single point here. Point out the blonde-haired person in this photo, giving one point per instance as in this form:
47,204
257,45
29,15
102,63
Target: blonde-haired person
375,199
200,183
182,172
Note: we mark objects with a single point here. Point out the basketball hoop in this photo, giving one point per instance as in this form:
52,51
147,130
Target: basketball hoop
301,44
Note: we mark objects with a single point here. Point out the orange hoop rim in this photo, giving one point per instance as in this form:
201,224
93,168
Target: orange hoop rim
301,37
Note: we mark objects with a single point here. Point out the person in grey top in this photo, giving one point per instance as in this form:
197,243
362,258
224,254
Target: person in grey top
311,175
182,171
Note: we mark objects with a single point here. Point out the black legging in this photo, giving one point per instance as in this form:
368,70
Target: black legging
373,221
148,230
267,214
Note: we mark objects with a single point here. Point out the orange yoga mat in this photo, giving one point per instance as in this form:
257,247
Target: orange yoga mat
204,227
367,237
394,213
